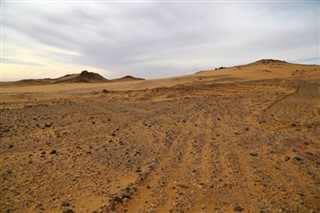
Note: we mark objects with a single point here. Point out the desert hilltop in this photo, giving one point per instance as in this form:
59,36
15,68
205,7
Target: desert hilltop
83,77
232,139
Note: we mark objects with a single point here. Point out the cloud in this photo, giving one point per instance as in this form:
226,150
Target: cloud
154,39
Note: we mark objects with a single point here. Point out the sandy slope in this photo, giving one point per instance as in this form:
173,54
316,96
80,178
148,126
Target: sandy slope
244,137
254,71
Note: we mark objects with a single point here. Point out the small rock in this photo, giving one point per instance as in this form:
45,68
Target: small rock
10,146
118,199
286,158
297,158
53,152
48,124
65,203
5,130
39,205
67,211
238,209
183,186
254,154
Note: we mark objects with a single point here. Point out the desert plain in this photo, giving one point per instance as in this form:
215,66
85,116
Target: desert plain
237,139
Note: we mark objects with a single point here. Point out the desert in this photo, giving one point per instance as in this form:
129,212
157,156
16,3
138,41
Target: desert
244,138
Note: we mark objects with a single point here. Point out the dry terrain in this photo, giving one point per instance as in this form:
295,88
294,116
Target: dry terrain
244,138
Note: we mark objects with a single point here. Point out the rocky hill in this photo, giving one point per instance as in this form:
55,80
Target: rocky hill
83,77
128,78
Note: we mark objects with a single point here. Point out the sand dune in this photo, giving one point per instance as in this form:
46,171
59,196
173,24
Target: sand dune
243,138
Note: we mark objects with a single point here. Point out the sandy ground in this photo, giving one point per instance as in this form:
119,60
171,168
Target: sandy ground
246,138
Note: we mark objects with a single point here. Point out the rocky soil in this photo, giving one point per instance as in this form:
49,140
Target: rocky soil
250,146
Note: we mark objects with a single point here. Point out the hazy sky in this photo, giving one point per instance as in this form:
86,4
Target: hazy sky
153,39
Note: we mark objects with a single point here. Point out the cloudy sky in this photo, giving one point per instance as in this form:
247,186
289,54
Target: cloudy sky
152,39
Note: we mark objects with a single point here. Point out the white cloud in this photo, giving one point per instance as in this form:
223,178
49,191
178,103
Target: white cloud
153,39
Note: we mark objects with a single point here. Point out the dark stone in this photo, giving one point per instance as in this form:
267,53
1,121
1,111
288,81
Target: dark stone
67,211
48,124
138,153
65,203
105,91
118,199
43,153
39,205
183,186
238,209
138,171
297,158
10,146
5,130
286,158
254,154
53,152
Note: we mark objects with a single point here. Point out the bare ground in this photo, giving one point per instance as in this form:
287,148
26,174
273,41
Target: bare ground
199,147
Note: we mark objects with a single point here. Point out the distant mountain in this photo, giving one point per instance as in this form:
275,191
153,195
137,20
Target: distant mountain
128,78
83,77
